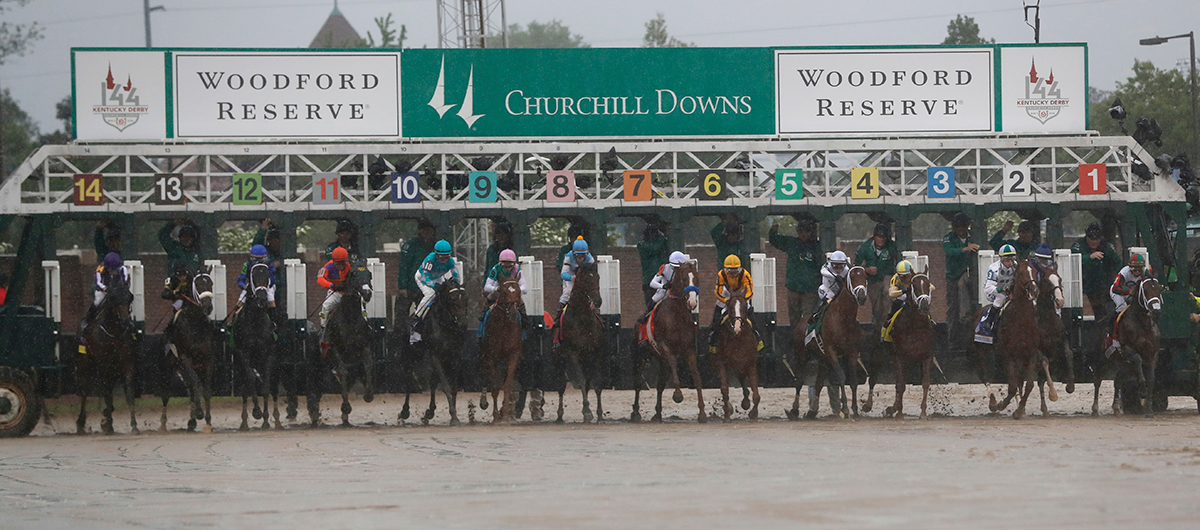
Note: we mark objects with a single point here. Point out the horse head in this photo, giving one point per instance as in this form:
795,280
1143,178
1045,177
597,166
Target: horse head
683,283
737,309
202,286
1051,284
509,293
259,281
117,300
1150,296
1024,281
856,280
453,297
359,281
922,293
587,281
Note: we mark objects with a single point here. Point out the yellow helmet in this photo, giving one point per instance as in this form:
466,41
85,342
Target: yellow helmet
732,261
904,267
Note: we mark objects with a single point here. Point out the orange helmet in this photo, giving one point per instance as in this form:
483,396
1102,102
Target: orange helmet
340,254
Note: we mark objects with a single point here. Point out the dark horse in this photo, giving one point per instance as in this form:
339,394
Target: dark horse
1018,343
500,352
840,337
254,342
1054,342
912,341
671,333
442,338
106,357
580,341
350,338
190,345
1138,334
737,350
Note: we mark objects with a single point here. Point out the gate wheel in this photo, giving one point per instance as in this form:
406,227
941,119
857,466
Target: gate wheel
20,405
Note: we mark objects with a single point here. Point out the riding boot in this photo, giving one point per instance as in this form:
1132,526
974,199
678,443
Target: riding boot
712,330
87,319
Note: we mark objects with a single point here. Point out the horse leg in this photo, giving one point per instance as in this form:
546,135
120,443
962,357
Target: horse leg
745,394
599,406
837,391
368,377
106,424
452,404
1027,378
1097,379
509,401
926,369
673,362
870,402
798,375
853,380
162,426
897,408
1049,382
206,391
1069,356
245,426
81,421
692,366
814,392
723,376
129,401
587,408
194,393
437,377
662,385
639,379
753,377
561,391
343,377
1010,370
1148,397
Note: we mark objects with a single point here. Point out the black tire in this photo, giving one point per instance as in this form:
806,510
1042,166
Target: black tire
20,404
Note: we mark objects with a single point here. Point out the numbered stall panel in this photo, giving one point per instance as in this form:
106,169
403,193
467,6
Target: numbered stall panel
1016,181
941,182
483,186
89,190
406,187
327,188
638,186
1093,179
560,186
713,185
168,189
247,189
864,183
789,184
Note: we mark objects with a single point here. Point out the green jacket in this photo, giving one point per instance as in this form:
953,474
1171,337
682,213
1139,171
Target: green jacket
885,261
355,256
957,261
562,254
1098,274
260,238
724,249
1023,249
412,254
804,261
653,255
101,244
176,251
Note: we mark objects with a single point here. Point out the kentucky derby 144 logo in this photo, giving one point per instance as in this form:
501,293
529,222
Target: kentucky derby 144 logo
1043,99
119,105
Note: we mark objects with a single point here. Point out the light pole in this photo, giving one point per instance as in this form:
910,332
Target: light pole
1191,37
146,9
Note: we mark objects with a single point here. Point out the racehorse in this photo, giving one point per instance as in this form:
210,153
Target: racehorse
441,344
737,350
912,341
671,334
1137,331
190,343
580,340
839,336
500,352
254,343
350,346
106,357
1054,342
1018,342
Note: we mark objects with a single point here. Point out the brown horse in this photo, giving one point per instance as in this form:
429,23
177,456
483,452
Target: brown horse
737,350
580,341
672,334
501,349
840,336
1018,342
1054,342
1138,334
106,358
912,342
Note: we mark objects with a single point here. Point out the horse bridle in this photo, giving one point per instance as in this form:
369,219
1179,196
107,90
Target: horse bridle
691,285
1146,302
854,288
928,297
196,295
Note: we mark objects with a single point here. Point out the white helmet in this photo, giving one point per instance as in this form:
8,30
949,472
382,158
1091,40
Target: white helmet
839,257
677,258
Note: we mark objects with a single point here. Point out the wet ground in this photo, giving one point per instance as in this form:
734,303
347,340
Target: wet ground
961,468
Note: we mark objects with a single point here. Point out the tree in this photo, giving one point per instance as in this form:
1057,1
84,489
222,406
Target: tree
964,30
1164,95
18,134
62,111
387,36
15,39
657,36
550,35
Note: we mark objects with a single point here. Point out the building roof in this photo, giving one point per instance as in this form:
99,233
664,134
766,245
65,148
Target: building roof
336,32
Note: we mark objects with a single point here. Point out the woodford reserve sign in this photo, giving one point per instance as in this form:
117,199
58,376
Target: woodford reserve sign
459,94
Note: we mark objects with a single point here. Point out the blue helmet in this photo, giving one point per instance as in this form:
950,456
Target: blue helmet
1043,252
258,251
442,247
112,260
580,245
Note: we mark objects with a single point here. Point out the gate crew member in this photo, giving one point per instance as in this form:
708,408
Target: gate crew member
960,276
347,238
1122,292
729,236
878,255
438,267
107,237
1025,242
332,277
502,232
996,287
412,255
180,247
653,251
834,275
110,272
1100,262
732,278
803,269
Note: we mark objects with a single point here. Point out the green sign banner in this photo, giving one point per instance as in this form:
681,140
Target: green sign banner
452,93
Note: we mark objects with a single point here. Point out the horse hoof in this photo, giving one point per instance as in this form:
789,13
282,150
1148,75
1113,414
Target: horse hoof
208,429
754,415
403,415
1018,414
924,416
257,414
424,420
635,417
724,419
889,412
810,415
162,428
657,418
703,418
369,397
559,420
192,424
867,407
677,396
483,404
792,414
454,422
746,404
346,408
992,405
1095,413
1149,415
899,415
135,430
728,410
1070,388
587,417
345,423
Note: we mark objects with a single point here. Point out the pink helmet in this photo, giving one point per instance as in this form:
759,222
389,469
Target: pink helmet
508,255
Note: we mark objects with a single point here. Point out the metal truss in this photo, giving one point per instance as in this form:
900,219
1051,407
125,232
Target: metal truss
44,182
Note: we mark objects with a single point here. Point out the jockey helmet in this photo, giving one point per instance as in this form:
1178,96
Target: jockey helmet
838,257
258,251
508,255
1007,251
1137,261
904,268
1043,252
883,230
442,247
340,254
732,262
180,268
579,245
677,258
960,220
187,231
112,261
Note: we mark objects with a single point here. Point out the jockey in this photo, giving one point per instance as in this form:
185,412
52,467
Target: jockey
579,256
1042,257
662,280
838,267
729,279
177,288
438,267
996,288
111,271
331,277
898,292
258,256
1122,288
504,270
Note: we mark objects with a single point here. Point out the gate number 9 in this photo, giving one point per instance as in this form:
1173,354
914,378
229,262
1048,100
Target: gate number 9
482,186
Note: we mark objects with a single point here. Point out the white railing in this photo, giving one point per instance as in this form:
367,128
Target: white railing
535,298
610,284
137,287
377,307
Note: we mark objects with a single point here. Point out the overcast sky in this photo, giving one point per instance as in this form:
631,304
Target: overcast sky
1111,28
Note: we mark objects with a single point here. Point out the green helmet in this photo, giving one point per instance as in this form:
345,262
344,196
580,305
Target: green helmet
1007,251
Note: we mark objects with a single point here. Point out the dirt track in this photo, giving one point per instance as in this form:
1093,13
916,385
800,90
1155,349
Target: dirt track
965,470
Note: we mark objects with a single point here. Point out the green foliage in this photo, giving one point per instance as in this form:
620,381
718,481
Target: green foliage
550,35
18,134
1164,95
548,231
657,36
964,30
996,222
16,39
234,239
387,36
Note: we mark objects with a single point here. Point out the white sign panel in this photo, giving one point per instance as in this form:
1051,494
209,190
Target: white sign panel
884,91
286,94
1043,88
1016,181
120,95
